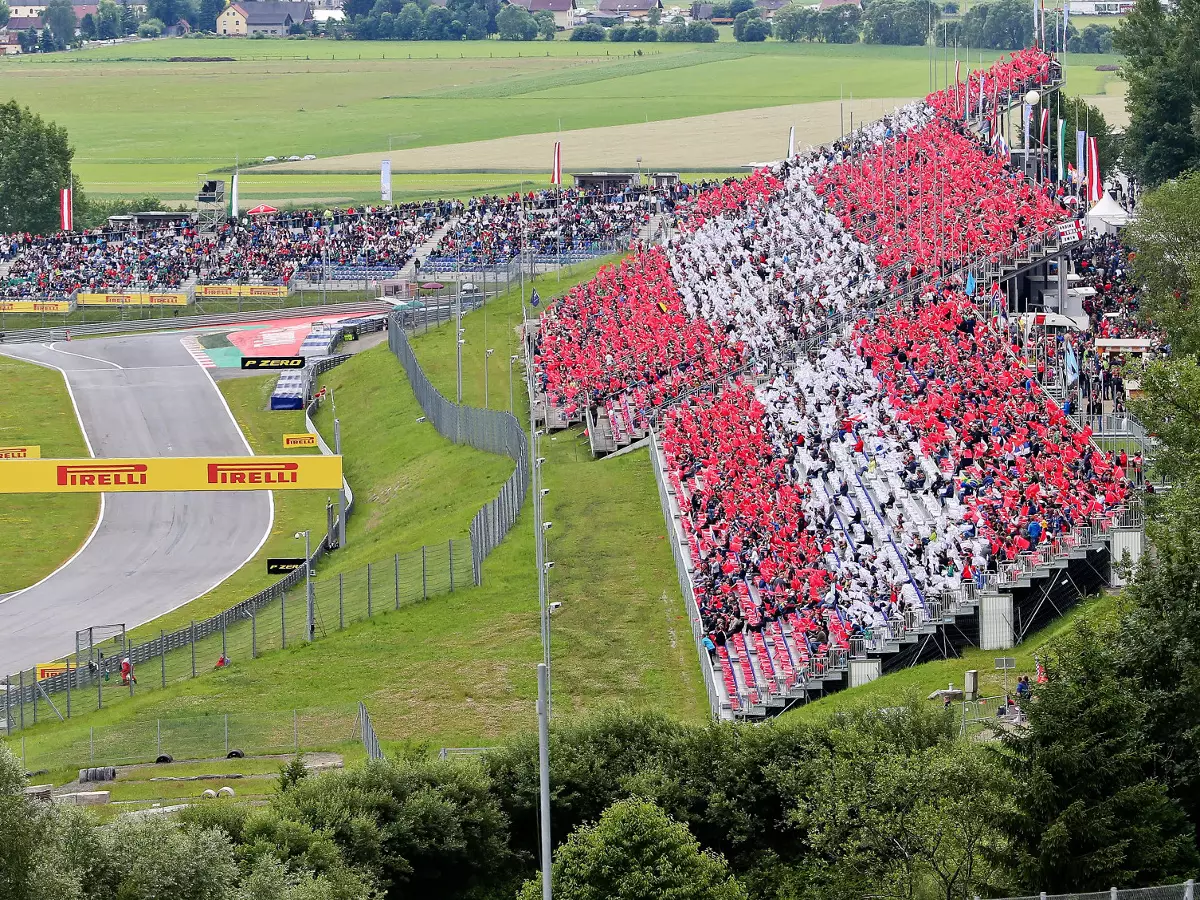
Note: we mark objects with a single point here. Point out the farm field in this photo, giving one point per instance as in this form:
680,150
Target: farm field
146,125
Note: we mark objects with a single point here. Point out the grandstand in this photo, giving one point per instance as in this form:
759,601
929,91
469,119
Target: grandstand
858,465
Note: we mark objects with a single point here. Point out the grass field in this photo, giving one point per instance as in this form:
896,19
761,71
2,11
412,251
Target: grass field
42,530
147,125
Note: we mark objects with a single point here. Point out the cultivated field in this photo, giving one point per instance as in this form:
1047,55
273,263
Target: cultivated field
146,125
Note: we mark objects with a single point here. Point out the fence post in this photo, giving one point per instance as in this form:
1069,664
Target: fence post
223,645
424,576
341,603
33,680
1189,888
253,635
368,590
396,560
162,654
100,685
296,729
283,618
21,696
158,734
91,743
450,545
68,691
192,643
226,734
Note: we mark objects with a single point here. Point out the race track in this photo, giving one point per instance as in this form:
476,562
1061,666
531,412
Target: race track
149,553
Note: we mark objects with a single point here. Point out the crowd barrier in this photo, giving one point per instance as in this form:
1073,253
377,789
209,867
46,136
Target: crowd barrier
139,299
242,290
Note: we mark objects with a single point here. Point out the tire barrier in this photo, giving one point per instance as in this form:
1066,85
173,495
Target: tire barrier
97,774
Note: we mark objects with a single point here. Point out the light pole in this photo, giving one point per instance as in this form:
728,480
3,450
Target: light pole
308,592
487,364
458,332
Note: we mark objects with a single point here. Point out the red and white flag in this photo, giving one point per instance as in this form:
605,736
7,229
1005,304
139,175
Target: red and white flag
1095,182
556,172
66,213
1045,123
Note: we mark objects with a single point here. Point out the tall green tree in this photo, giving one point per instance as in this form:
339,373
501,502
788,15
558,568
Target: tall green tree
635,851
998,25
59,17
1163,73
900,22
839,24
796,22
35,164
4,13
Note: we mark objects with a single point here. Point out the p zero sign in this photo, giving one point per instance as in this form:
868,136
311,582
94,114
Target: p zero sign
221,473
272,362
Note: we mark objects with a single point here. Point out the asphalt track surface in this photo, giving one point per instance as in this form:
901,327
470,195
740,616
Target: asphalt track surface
149,553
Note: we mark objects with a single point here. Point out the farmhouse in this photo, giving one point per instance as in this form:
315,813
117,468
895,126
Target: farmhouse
262,17
564,10
833,4
768,8
630,9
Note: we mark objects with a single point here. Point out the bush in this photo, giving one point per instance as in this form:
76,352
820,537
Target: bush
617,33
702,32
151,28
675,34
588,33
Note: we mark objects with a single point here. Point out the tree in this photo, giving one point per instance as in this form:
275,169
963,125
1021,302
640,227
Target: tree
839,24
108,20
795,22
702,32
35,164
999,25
1163,137
87,27
59,17
636,851
129,19
587,33
900,22
1080,116
674,34
547,29
151,28
1093,39
207,13
516,24
654,17
4,13
750,26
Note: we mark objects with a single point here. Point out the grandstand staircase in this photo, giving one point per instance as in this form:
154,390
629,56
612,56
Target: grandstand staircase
423,251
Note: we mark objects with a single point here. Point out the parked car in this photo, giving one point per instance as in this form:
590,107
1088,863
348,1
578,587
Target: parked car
270,159
293,159
310,156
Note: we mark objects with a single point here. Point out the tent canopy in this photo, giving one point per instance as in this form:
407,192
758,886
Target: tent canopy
1107,211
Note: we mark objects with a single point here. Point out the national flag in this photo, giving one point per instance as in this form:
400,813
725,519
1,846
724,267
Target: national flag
970,284
66,209
233,197
385,180
534,299
1045,124
791,142
1095,181
556,172
1002,145
663,307
982,95
1062,149
1072,365
1081,152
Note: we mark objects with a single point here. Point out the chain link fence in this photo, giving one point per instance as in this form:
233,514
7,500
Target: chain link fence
490,430
1184,891
196,737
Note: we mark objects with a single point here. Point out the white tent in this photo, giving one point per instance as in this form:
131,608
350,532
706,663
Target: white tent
1108,212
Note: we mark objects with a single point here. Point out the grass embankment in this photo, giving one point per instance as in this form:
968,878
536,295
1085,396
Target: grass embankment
457,670
42,530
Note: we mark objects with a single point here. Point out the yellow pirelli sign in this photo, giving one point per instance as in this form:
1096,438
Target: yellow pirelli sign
199,473
25,451
34,306
241,290
299,440
131,299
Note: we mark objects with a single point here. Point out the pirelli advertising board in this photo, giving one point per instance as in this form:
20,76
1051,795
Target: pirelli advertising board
20,451
131,299
241,290
199,473
35,306
308,439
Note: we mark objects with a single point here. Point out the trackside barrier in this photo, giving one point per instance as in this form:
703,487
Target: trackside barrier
1184,891
484,429
61,332
367,730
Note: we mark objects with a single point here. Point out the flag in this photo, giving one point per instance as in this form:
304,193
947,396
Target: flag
233,196
1095,182
1080,151
556,171
1002,145
1072,365
66,210
970,284
385,180
534,299
791,142
981,95
1045,124
1062,149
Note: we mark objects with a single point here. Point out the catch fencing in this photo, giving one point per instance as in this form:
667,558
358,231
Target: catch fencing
1184,891
484,429
256,733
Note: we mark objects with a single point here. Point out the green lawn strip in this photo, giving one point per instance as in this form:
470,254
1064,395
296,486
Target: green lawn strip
922,680
623,633
43,530
249,399
246,788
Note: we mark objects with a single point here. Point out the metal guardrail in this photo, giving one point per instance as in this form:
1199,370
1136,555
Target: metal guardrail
490,430
63,332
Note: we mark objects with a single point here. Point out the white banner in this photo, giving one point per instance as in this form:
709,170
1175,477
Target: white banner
385,180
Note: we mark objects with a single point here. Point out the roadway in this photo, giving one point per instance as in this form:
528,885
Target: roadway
149,553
